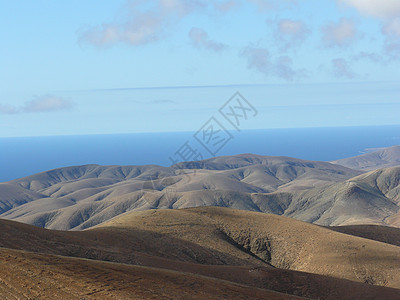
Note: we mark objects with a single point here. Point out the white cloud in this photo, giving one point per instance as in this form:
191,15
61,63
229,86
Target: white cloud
289,33
392,28
376,8
339,34
47,103
261,60
200,39
389,13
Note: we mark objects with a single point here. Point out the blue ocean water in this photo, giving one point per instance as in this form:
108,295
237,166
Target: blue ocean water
25,156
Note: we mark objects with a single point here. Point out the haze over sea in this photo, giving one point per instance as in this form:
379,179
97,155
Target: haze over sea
24,156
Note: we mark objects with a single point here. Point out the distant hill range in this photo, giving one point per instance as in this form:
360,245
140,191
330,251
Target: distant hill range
382,158
76,198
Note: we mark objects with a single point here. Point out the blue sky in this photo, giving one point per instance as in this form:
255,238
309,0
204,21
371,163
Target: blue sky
89,67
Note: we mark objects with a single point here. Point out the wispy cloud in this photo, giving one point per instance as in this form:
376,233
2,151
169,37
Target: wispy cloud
144,22
200,39
381,8
266,5
289,33
226,6
42,104
261,60
8,110
391,30
371,56
388,11
341,68
340,34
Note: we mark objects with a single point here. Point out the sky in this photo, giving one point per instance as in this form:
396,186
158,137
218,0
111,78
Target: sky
94,67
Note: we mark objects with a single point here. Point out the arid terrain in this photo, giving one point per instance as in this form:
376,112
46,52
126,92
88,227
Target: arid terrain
196,253
237,227
317,192
381,158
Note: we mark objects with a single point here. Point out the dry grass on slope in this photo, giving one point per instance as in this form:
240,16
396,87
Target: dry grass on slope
282,242
25,275
210,242
385,234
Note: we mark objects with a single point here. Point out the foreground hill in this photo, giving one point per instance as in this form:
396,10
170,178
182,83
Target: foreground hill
26,275
278,241
383,158
81,197
196,253
386,234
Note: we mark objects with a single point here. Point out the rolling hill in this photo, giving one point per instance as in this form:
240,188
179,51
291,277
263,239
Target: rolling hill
199,253
385,234
371,198
84,196
76,198
382,158
26,275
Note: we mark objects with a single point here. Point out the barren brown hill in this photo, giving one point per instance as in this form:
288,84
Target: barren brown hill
382,158
385,234
27,275
279,241
241,248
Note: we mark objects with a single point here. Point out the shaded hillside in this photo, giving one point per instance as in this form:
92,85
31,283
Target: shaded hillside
383,158
281,242
215,252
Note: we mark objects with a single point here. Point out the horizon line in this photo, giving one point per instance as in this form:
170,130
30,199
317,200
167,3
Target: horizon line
223,86
194,131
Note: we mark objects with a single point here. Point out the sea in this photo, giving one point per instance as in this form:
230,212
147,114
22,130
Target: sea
23,156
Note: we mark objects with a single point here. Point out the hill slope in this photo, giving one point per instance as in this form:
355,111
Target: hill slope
383,158
27,275
385,234
226,251
281,242
371,198
81,197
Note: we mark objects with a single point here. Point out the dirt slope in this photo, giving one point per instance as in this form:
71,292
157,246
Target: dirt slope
25,275
250,249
